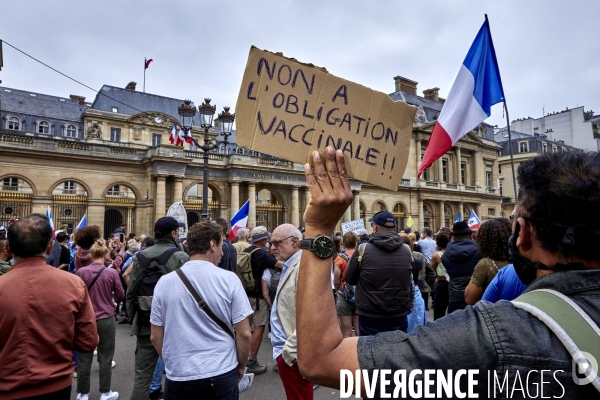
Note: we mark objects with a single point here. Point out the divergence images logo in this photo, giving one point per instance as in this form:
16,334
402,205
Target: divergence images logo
585,368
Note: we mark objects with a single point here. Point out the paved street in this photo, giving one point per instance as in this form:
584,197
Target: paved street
265,386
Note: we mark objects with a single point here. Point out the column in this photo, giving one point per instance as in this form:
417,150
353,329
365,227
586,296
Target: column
130,220
295,207
478,166
356,204
418,151
347,214
235,198
495,174
460,210
420,224
178,190
252,211
306,197
478,210
458,157
159,199
442,214
440,169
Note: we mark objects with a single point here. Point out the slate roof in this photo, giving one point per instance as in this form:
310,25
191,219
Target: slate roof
432,108
30,103
133,102
502,136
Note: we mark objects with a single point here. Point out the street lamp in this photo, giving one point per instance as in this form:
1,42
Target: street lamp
207,112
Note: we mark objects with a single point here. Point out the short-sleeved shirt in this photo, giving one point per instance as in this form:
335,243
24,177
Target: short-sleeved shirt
343,264
261,260
194,346
485,270
506,285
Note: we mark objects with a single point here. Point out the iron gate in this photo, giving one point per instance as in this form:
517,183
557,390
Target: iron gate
67,211
14,205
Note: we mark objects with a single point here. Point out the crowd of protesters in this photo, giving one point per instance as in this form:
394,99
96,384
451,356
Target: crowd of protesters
199,308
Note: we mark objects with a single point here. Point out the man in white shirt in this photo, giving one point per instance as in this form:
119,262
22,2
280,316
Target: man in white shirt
200,356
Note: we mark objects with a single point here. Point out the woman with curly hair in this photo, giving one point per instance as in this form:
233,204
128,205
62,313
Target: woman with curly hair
492,242
442,296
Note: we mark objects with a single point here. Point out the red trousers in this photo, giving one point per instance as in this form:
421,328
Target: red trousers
296,387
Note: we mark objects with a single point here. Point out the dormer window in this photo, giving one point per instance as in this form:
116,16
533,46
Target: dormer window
44,127
71,131
14,124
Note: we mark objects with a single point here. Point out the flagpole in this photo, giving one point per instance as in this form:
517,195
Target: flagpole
145,75
512,159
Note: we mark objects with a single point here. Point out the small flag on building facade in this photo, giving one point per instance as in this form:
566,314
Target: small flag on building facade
173,136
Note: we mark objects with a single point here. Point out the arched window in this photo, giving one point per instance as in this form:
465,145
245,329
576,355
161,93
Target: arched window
44,127
14,124
71,131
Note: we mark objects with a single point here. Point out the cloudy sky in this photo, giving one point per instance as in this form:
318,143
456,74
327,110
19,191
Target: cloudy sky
548,51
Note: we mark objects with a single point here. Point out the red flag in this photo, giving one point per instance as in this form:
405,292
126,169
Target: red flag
147,63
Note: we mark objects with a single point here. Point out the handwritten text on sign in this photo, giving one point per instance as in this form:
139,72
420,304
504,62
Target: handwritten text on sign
352,226
288,109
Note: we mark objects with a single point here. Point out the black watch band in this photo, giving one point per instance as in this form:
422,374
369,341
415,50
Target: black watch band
322,246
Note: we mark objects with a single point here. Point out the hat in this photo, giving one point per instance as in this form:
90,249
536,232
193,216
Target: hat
461,228
259,233
165,224
384,218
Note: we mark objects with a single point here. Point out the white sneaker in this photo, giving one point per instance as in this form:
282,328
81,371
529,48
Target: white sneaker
82,396
269,335
95,352
112,365
110,395
74,374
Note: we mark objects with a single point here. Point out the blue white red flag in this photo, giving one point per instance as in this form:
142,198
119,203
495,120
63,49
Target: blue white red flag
147,63
474,221
240,219
180,138
173,136
476,88
83,222
457,218
49,216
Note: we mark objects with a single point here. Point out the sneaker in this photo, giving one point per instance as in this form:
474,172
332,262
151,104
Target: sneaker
82,396
95,352
269,335
75,374
256,368
110,395
123,321
157,395
112,365
275,368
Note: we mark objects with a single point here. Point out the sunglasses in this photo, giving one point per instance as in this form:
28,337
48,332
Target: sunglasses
275,243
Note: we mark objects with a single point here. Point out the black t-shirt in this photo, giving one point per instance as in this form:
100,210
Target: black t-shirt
261,260
229,259
65,256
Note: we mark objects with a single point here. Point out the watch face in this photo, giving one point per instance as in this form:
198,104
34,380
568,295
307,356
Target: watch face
322,247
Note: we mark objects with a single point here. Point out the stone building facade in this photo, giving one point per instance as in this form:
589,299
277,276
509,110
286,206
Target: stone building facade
112,160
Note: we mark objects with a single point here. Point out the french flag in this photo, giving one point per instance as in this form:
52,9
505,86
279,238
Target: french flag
49,216
147,63
476,88
239,220
83,222
173,136
180,138
474,221
457,218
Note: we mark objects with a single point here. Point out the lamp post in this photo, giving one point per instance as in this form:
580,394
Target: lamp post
207,112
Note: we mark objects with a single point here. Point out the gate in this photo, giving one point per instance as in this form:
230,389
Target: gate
67,211
192,218
14,205
112,220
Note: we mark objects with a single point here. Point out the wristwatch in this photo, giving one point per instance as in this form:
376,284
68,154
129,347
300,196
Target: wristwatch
322,246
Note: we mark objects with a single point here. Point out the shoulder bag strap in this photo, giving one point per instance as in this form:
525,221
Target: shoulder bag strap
573,327
96,278
202,304
361,253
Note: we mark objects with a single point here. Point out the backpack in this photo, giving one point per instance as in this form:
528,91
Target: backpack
347,291
244,270
151,270
275,278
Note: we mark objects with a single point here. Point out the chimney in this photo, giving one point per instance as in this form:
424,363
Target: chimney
431,94
77,97
406,85
81,101
131,86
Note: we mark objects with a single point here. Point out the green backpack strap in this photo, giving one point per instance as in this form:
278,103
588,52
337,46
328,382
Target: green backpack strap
361,253
573,327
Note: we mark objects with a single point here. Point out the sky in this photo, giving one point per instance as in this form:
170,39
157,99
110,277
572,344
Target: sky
548,51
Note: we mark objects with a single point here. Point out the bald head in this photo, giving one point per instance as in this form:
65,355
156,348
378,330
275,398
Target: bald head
284,241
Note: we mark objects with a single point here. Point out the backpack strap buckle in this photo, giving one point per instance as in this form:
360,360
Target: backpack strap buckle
202,304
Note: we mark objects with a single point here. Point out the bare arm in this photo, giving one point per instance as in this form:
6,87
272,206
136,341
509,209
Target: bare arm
322,350
473,293
265,292
337,276
157,334
243,334
435,260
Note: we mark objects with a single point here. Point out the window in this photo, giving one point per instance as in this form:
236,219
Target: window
463,172
544,147
114,191
14,123
491,211
115,109
488,176
425,209
71,131
499,169
564,149
44,127
444,170
554,148
115,135
10,184
523,147
426,223
156,139
69,187
500,187
425,174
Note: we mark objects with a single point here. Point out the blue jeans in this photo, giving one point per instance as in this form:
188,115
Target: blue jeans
220,387
371,326
157,377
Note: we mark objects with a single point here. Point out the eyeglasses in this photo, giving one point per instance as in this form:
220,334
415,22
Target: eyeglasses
511,218
275,243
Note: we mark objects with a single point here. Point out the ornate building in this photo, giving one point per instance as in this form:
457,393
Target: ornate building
112,160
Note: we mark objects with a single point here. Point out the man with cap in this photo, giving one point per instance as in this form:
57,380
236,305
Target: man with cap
166,231
384,283
260,260
459,259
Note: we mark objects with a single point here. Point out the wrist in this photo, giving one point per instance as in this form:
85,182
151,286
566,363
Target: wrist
311,232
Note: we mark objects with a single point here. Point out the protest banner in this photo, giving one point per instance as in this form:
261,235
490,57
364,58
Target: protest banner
177,211
289,109
352,226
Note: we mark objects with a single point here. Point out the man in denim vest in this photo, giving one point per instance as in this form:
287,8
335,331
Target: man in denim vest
554,246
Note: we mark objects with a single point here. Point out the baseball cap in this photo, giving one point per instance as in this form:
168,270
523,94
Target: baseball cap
165,224
259,233
384,218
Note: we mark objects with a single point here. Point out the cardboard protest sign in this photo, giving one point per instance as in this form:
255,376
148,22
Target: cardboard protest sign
177,211
289,109
352,226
